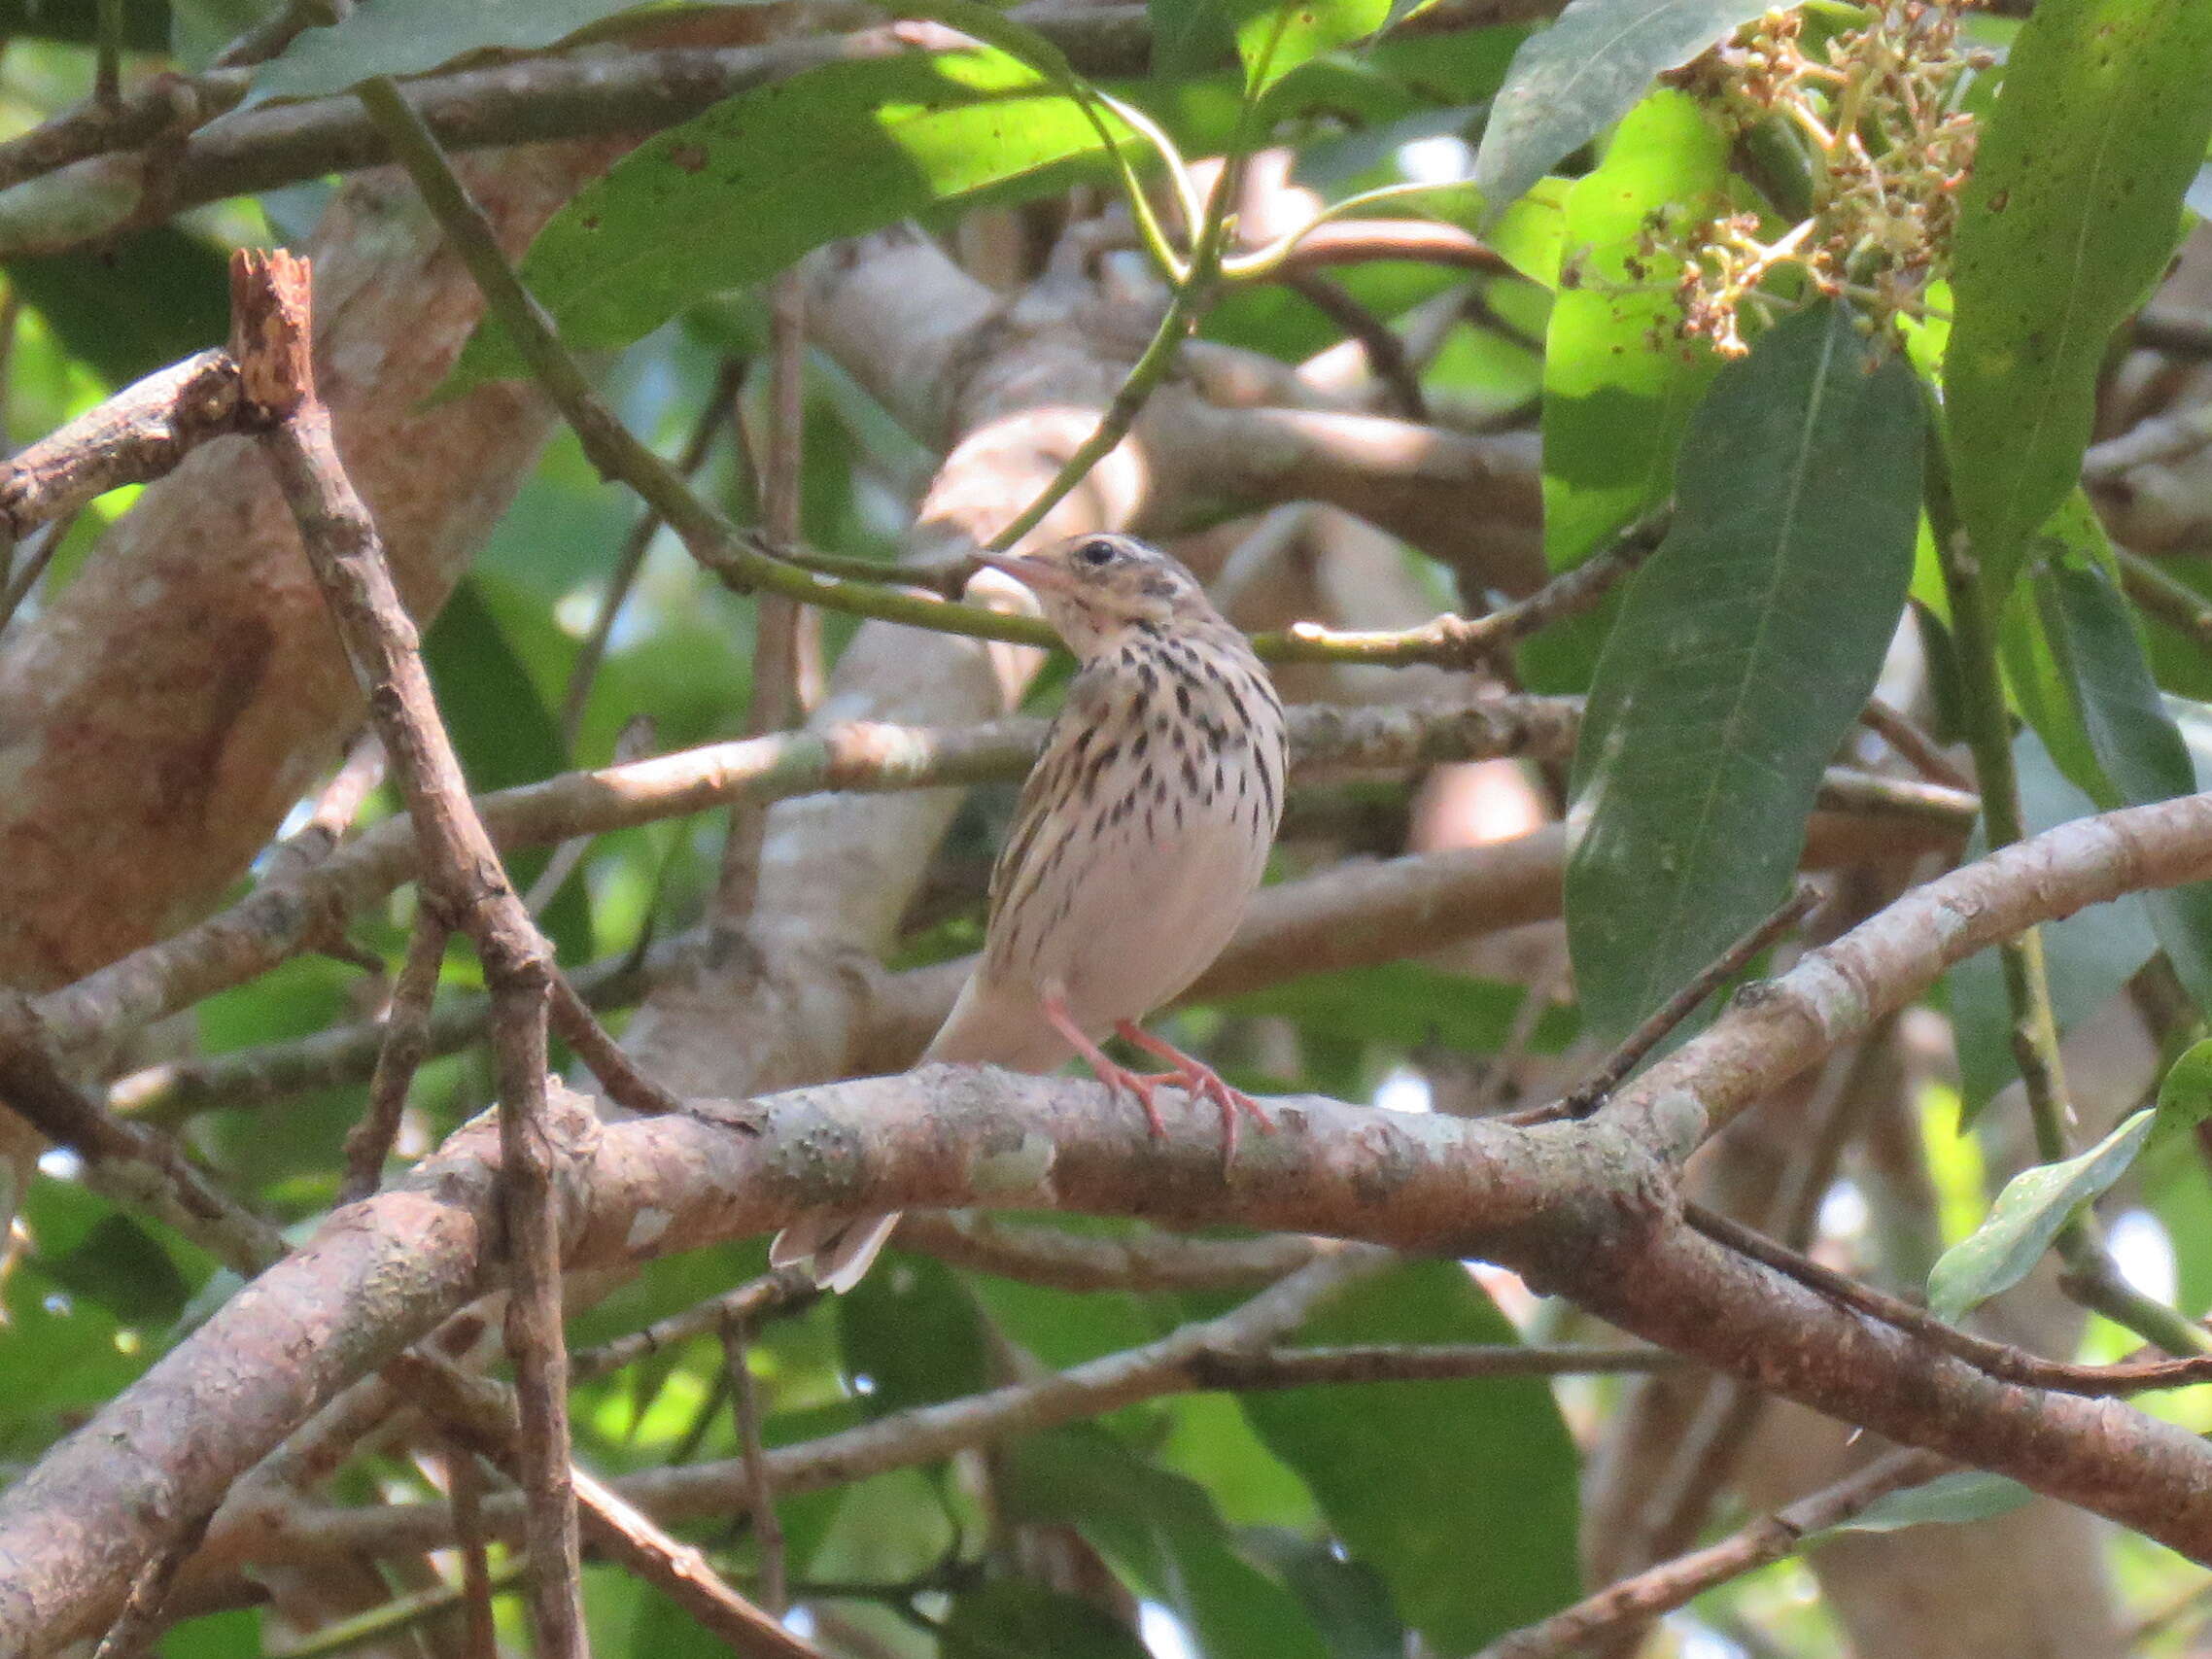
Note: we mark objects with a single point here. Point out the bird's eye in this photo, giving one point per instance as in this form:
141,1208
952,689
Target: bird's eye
1095,554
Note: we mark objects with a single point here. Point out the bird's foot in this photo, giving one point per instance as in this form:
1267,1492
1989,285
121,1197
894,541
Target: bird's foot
1200,1082
1135,1083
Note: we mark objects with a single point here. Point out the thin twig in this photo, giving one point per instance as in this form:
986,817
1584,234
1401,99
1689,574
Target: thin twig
134,437
406,1040
760,1503
2163,596
1912,746
31,560
1994,1359
140,1620
271,336
400,1615
1463,642
1639,1042
1385,352
635,546
774,702
635,741
464,1484
786,1289
484,1413
1674,1583
130,1163
626,1085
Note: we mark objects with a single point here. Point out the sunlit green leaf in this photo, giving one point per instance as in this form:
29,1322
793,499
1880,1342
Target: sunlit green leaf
1291,32
736,194
2026,1218
1618,385
2072,211
1571,81
2185,1093
1745,650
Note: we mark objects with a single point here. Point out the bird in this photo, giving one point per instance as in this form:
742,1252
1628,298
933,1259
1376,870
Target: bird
1141,834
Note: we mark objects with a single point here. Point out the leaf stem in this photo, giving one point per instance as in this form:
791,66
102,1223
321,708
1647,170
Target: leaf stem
2091,1278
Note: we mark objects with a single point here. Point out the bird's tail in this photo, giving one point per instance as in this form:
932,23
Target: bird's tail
837,1250
995,1027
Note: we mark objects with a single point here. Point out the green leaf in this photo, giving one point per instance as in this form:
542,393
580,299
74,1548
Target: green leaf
1348,1601
2072,211
1571,81
911,1329
1278,39
408,37
2137,741
2091,954
1015,1620
145,22
2026,1218
1195,37
1949,1500
1745,650
1406,1004
736,194
2185,1093
1164,1533
154,299
1419,1480
121,1266
1614,404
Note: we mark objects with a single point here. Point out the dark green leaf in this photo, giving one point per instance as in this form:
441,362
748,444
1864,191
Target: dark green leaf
2026,1218
1745,650
1949,1500
2072,211
739,192
911,1329
2137,741
1574,80
234,1634
1014,1620
1420,1481
1348,1601
1164,1533
120,1266
145,22
1193,37
407,36
151,301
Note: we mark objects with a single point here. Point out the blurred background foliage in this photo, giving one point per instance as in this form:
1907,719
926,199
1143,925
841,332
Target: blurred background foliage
1347,1521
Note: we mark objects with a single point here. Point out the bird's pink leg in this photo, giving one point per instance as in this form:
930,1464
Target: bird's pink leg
1200,1082
1105,1070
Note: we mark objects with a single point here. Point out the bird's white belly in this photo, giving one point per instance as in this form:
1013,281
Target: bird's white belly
1150,916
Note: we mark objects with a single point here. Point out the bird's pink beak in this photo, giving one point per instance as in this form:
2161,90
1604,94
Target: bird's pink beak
1040,575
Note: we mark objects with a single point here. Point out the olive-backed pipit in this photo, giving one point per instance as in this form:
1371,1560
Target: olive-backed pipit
1140,836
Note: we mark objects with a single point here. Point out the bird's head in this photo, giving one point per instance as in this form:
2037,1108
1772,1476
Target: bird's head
1098,588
